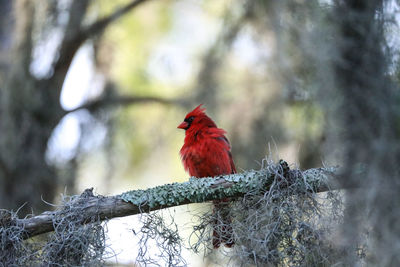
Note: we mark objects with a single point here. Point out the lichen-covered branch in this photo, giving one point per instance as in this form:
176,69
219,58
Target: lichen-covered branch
175,194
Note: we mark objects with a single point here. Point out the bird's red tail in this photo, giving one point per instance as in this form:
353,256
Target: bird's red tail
222,228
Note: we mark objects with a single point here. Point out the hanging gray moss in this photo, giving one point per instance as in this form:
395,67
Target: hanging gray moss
70,244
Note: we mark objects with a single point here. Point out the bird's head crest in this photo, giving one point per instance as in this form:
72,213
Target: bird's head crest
198,111
198,118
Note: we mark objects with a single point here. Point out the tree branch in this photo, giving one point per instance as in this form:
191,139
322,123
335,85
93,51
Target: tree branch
76,39
122,100
75,35
176,194
70,44
98,26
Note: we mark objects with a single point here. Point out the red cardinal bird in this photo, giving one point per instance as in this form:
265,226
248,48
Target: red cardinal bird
206,153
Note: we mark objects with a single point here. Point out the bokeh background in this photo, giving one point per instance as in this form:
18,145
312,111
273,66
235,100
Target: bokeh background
90,99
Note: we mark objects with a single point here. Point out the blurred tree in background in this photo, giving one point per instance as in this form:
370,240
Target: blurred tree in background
92,91
39,40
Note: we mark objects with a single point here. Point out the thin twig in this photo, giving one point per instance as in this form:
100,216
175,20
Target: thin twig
75,35
98,26
122,100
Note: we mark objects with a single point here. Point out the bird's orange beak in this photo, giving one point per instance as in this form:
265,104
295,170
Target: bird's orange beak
183,125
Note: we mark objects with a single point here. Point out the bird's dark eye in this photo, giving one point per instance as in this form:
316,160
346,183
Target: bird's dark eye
190,119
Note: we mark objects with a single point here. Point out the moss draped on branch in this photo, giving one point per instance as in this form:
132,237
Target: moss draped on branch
175,194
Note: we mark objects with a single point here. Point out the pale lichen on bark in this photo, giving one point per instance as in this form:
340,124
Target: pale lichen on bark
196,190
230,186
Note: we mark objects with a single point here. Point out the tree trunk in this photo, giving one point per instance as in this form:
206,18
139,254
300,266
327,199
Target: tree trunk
30,110
367,113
